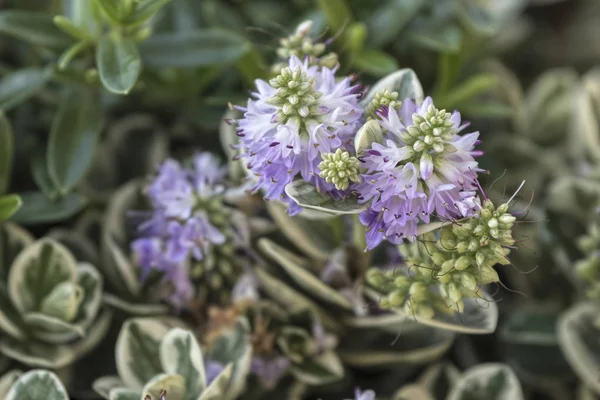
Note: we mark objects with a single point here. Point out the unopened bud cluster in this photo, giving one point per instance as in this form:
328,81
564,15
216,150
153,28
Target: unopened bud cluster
430,134
301,45
295,94
589,268
382,98
444,272
339,168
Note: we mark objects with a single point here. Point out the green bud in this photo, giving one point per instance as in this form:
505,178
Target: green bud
438,258
402,281
487,275
339,168
468,281
396,298
454,293
418,291
424,311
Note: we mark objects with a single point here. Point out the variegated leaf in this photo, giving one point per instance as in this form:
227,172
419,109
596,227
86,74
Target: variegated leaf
37,270
104,385
403,81
138,351
37,384
218,387
7,380
307,196
174,385
491,381
180,354
134,309
123,394
324,369
13,239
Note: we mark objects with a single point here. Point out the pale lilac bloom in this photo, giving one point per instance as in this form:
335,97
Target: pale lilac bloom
176,231
212,369
280,147
366,395
269,370
421,169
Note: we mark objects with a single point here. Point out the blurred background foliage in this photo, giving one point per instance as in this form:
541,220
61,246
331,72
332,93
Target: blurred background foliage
95,93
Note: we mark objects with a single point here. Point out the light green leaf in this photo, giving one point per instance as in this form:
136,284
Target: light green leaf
16,87
38,209
180,354
403,81
298,269
492,381
306,195
104,385
51,329
145,9
41,175
578,334
443,38
375,62
36,272
323,369
35,28
368,134
67,26
137,351
174,385
117,11
9,205
118,62
192,49
7,142
73,138
218,387
63,302
37,384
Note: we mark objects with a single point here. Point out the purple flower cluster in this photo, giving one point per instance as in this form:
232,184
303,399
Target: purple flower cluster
293,119
179,230
423,168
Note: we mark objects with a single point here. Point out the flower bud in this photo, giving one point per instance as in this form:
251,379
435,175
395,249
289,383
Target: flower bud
462,263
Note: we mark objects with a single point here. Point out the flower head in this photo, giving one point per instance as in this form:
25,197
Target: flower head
339,168
291,121
423,167
187,227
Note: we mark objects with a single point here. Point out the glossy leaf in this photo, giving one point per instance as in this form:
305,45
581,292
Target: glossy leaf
16,87
38,209
118,63
192,49
375,62
306,195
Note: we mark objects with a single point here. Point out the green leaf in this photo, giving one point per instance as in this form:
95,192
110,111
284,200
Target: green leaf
337,12
37,384
7,143
104,385
73,138
10,318
145,9
192,49
117,11
68,55
38,209
36,271
375,62
18,86
13,239
306,195
41,174
7,380
492,381
403,81
578,333
35,28
180,354
9,205
118,62
474,86
138,351
123,394
389,19
68,27
174,385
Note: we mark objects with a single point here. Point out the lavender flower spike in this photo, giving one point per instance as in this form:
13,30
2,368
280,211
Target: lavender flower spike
423,167
185,224
293,120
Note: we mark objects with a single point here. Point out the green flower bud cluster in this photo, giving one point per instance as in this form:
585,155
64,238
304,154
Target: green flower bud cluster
301,45
295,95
430,134
589,267
383,98
339,168
443,272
